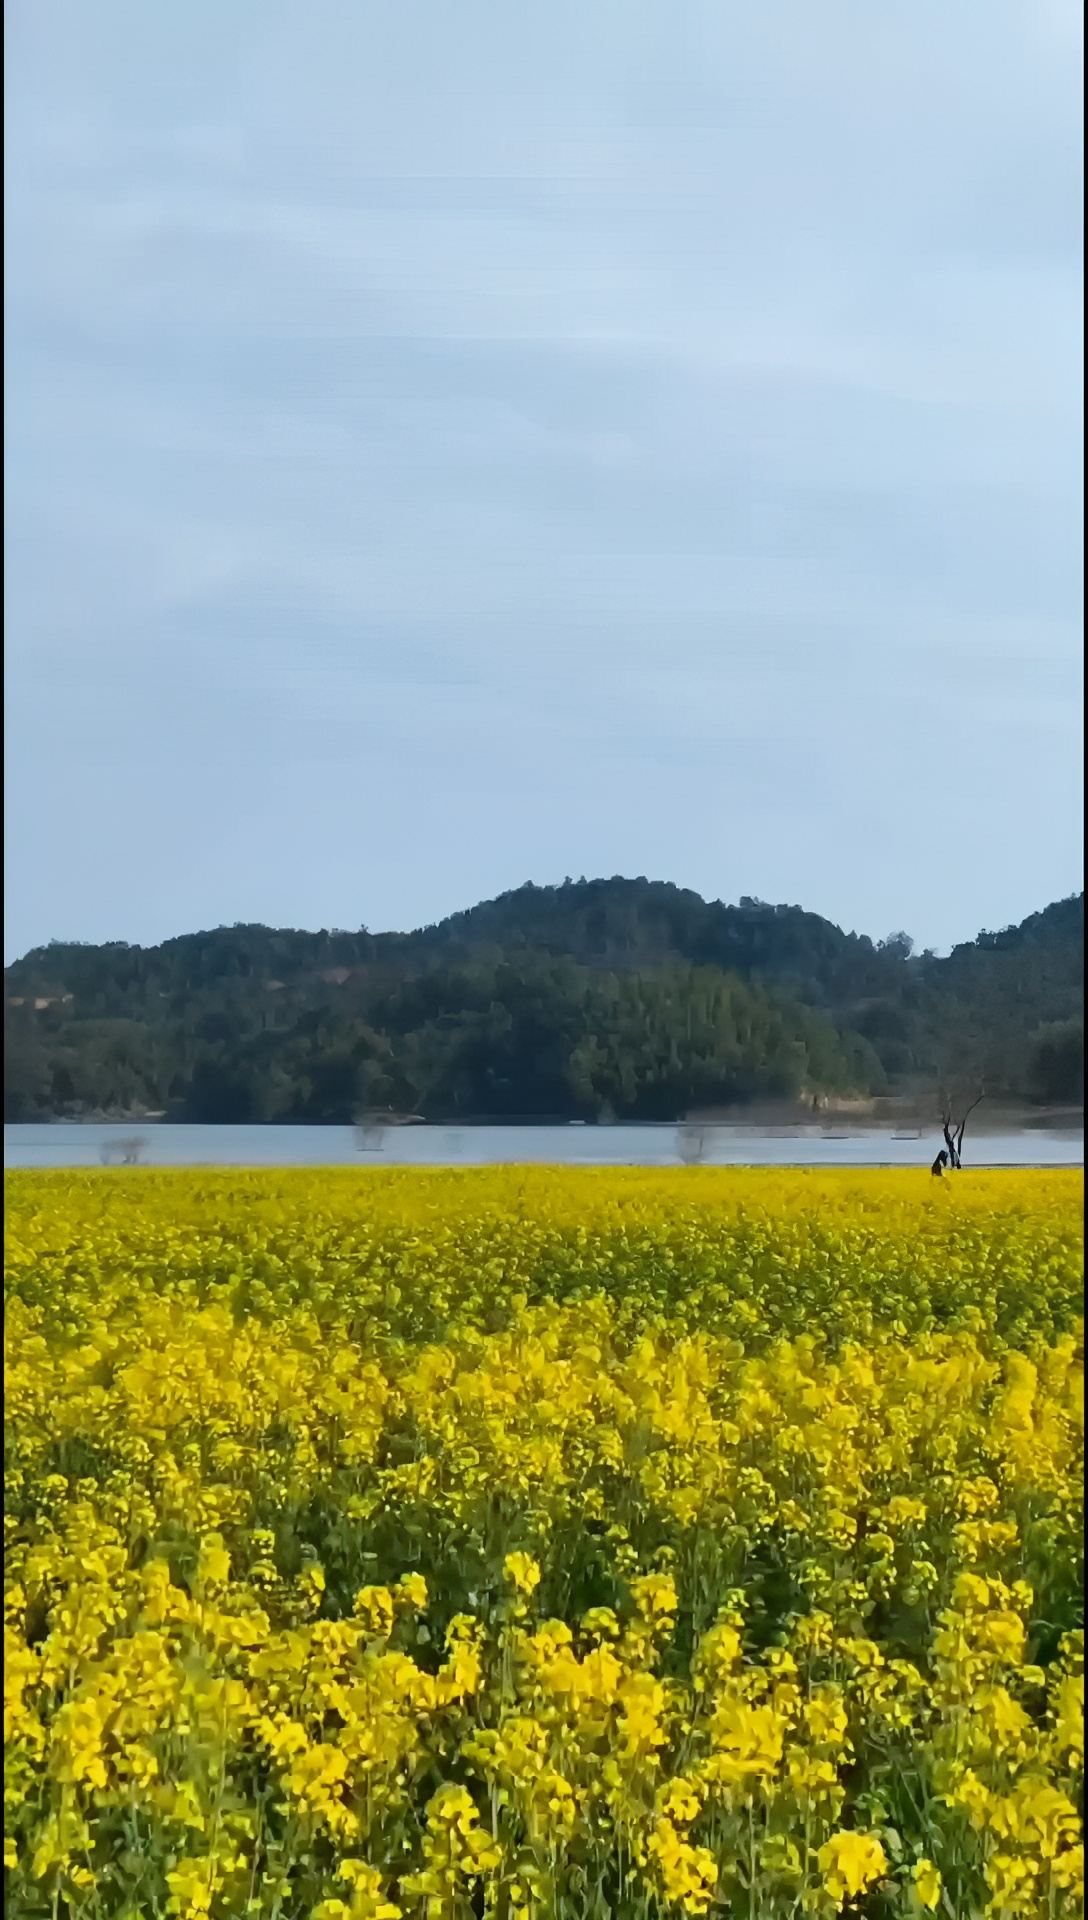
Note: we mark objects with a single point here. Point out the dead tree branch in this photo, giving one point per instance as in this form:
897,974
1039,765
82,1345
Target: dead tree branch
953,1128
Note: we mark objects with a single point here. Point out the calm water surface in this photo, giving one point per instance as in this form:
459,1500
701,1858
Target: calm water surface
648,1146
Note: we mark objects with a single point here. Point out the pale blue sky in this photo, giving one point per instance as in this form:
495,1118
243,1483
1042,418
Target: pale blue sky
455,444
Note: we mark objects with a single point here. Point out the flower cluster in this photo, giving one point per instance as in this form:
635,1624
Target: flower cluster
543,1544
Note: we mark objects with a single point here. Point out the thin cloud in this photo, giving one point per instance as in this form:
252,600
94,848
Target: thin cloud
650,430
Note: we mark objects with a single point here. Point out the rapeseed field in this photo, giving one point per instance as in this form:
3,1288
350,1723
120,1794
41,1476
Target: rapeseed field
543,1543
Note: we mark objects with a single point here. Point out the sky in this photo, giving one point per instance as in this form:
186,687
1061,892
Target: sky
448,446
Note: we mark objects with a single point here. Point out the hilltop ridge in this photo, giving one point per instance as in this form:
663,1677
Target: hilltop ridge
622,996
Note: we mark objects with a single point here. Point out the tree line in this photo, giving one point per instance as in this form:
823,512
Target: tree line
595,999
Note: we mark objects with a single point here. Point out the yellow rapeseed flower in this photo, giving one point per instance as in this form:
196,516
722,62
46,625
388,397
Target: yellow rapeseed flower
851,1862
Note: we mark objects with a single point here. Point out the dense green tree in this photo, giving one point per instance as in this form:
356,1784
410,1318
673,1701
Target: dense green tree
1056,1070
29,1077
621,997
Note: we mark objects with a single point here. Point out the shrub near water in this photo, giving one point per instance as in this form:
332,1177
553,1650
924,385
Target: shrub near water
551,1543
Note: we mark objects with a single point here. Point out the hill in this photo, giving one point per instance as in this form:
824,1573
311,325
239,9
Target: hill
630,997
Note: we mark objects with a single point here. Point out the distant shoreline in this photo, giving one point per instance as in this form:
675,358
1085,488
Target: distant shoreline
567,1166
855,1124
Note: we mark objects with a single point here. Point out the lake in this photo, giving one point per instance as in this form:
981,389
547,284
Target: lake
61,1145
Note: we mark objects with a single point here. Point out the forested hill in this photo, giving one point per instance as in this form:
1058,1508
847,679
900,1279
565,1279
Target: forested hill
624,997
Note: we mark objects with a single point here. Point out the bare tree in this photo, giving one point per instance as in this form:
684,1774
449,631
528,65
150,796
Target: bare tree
128,1152
954,1114
373,1123
370,1131
691,1142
